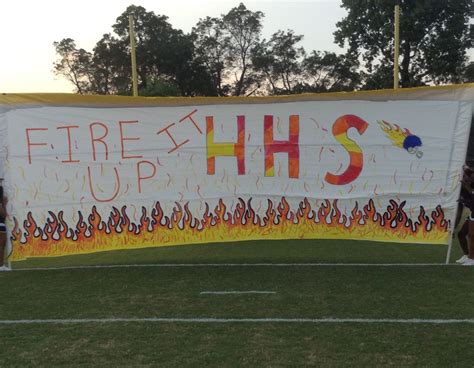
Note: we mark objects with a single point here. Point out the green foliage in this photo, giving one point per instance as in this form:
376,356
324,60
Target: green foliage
244,28
159,87
226,46
154,42
111,67
329,72
279,62
225,55
74,64
162,53
213,48
434,36
469,73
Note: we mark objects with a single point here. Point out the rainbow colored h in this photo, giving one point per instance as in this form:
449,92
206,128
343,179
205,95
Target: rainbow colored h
225,148
291,146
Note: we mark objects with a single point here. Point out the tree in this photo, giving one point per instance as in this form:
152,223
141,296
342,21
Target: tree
105,71
226,45
159,87
469,73
162,51
212,47
433,33
74,64
111,67
279,62
328,72
244,28
165,57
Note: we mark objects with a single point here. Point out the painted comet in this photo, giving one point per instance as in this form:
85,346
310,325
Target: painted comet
402,138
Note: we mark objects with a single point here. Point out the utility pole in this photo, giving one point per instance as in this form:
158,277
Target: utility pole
396,44
134,56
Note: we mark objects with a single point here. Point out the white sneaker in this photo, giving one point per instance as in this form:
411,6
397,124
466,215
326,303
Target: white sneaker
6,268
463,259
468,262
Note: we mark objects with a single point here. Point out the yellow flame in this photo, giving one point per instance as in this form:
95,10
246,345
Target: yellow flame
396,134
301,224
306,229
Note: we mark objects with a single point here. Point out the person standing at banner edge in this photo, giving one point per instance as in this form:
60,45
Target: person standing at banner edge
464,202
467,230
3,230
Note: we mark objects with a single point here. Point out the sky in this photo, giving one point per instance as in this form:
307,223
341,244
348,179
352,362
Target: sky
29,28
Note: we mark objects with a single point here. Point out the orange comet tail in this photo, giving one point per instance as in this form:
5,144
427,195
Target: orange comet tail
393,131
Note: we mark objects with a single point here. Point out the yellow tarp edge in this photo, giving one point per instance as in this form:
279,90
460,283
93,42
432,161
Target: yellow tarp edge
445,92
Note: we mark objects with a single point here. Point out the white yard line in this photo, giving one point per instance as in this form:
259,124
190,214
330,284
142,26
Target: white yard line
236,292
238,320
241,265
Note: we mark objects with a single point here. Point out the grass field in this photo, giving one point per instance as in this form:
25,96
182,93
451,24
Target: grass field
232,330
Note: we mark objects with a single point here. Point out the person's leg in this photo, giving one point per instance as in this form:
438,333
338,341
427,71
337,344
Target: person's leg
462,236
470,238
458,214
3,242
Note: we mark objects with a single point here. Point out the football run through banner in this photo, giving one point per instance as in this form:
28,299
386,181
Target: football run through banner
86,174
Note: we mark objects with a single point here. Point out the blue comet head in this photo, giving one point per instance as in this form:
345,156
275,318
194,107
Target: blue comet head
412,141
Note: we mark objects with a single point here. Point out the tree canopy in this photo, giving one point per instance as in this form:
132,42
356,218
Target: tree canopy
164,56
434,37
226,45
227,55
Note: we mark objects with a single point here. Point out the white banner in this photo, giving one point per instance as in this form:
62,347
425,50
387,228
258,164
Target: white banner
85,177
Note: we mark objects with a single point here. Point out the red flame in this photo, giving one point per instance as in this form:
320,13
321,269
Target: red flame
279,221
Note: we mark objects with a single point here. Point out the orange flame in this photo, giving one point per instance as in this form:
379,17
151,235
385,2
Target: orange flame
155,228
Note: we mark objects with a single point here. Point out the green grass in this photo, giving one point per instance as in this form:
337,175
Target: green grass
403,292
274,251
175,345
